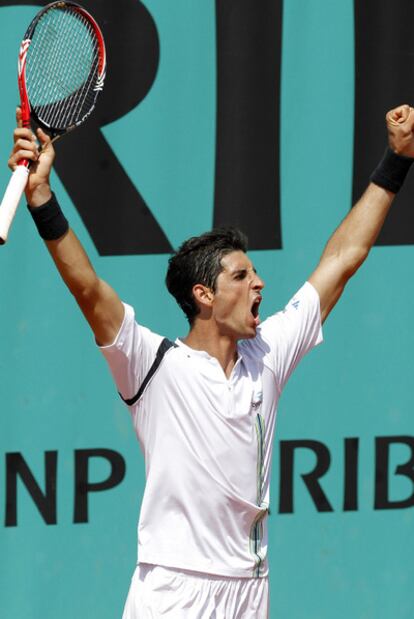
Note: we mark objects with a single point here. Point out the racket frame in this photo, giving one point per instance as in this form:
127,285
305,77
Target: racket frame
28,113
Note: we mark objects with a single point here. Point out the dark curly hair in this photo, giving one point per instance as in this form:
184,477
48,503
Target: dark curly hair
198,261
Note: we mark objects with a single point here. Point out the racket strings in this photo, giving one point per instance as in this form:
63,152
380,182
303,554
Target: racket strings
45,63
82,100
93,75
68,108
74,102
62,68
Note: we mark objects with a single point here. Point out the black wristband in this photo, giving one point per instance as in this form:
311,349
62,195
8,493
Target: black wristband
49,219
391,171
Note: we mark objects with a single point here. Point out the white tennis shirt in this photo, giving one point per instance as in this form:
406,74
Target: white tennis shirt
207,440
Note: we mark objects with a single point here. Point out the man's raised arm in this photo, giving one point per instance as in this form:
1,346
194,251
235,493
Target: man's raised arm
98,301
350,244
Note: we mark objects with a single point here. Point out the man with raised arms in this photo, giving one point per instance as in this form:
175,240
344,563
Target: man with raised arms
204,406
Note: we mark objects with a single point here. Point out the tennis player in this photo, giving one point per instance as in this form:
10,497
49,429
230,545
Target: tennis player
204,406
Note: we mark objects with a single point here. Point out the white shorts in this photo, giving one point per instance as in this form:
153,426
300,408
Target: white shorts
165,592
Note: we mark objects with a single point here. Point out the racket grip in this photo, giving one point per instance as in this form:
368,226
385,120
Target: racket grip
11,200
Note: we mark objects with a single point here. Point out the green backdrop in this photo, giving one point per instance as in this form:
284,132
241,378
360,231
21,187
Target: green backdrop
57,395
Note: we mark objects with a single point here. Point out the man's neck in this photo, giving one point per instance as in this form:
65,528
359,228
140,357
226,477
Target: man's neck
223,348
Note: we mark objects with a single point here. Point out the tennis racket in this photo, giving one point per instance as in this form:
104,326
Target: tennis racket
61,71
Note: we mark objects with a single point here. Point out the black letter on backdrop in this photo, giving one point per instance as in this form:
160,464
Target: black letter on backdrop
45,502
249,35
382,447
351,475
82,484
384,78
287,456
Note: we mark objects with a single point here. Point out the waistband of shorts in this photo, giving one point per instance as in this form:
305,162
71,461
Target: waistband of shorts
191,574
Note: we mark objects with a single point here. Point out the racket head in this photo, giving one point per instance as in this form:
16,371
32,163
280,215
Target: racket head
61,68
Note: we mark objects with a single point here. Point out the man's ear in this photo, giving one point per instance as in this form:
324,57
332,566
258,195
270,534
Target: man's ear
203,296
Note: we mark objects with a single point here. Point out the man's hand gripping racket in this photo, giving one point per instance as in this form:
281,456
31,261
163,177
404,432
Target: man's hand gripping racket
61,71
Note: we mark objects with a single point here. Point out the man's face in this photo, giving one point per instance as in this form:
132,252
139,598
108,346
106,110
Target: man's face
237,297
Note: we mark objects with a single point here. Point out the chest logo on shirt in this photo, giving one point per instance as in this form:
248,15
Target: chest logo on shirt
257,399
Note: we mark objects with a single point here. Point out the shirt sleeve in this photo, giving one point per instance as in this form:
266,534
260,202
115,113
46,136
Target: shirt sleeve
131,354
284,338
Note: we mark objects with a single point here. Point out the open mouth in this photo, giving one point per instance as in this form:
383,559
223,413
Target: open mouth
255,309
